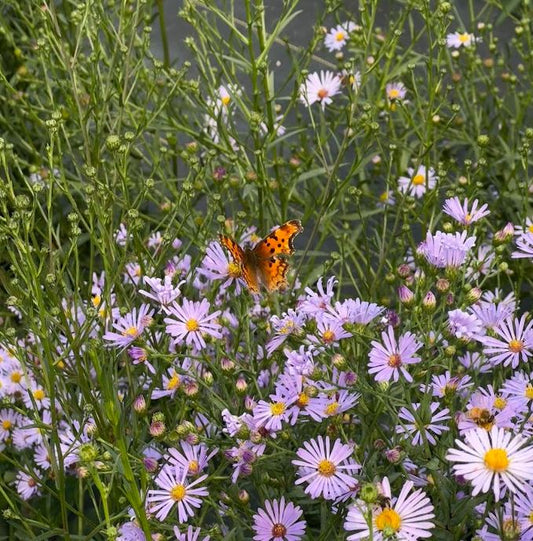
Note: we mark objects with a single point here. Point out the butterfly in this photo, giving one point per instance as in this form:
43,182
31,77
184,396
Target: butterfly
265,263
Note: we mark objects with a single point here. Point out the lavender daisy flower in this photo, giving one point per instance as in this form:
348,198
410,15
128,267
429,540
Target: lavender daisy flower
315,303
271,415
446,385
323,467
407,517
524,245
301,361
388,361
464,326
492,459
278,522
445,250
476,362
491,314
518,390
290,323
355,311
328,330
130,327
423,424
484,410
192,534
193,458
460,212
163,291
516,346
130,531
192,323
175,488
27,485
324,406
216,266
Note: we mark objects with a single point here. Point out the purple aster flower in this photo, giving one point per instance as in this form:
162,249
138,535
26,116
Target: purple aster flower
243,457
163,291
216,266
422,423
192,458
155,240
130,327
491,315
328,331
355,311
324,467
301,361
315,303
524,245
290,323
278,522
476,362
171,382
175,488
192,323
28,485
192,534
446,385
271,415
518,390
122,236
130,531
446,249
464,326
388,360
484,410
515,344
459,211
323,406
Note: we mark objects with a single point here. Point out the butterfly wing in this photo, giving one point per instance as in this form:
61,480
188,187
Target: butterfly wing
280,241
248,270
269,255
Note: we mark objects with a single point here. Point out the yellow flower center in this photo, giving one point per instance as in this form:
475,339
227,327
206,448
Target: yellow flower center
178,493
302,401
277,408
326,468
328,336
192,325
418,180
16,377
496,460
531,517
464,38
516,346
287,328
529,391
278,530
7,424
384,196
393,93
132,331
500,402
395,360
173,382
468,218
322,93
225,100
331,409
530,228
38,394
96,300
388,519
194,467
234,270
340,36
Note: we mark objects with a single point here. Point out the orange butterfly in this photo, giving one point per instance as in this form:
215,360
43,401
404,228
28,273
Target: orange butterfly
265,263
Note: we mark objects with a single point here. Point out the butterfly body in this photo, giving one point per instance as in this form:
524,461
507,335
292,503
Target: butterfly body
265,263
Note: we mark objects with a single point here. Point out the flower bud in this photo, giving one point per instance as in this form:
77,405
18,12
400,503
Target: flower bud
243,496
504,235
429,302
406,295
474,295
369,493
139,404
442,285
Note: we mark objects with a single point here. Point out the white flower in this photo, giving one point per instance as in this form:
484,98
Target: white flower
458,39
337,37
320,88
492,458
417,183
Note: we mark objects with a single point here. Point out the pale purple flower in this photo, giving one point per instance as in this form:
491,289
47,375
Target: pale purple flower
475,361
27,485
130,326
171,382
518,390
192,534
192,458
9,420
484,410
446,385
122,236
130,531
328,331
460,212
464,326
315,303
355,311
395,91
217,266
271,415
191,322
162,291
301,361
324,467
444,250
323,406
514,345
155,240
388,360
175,489
423,424
524,245
291,322
278,522
491,314
407,517
320,88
